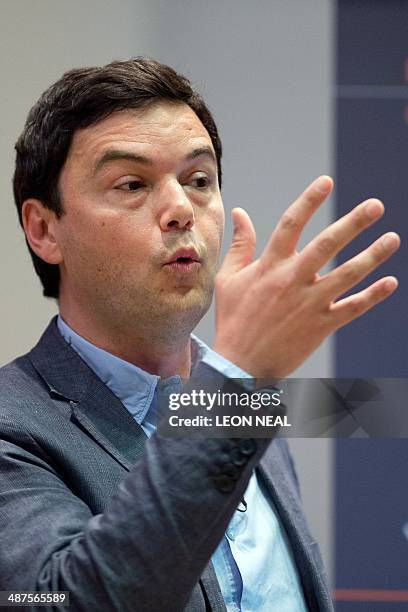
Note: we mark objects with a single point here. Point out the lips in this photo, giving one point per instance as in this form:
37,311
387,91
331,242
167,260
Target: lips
185,255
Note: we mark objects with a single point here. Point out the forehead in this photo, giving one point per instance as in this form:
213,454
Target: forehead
154,129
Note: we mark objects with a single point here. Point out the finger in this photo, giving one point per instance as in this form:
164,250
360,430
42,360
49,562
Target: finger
350,308
286,235
242,248
352,272
334,238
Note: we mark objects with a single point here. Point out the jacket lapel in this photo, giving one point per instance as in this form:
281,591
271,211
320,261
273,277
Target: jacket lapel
274,472
212,589
94,407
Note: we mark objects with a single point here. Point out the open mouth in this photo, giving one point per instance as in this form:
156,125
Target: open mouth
187,263
185,258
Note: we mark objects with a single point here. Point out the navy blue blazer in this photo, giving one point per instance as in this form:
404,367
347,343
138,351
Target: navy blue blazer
89,506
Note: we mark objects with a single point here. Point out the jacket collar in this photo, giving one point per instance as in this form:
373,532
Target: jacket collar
94,407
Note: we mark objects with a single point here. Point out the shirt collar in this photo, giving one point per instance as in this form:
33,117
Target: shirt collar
133,386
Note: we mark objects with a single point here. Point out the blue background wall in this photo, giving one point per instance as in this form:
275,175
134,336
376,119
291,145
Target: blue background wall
371,550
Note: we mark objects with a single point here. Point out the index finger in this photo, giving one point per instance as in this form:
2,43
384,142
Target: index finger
286,235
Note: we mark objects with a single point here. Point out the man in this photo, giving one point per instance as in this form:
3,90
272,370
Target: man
117,185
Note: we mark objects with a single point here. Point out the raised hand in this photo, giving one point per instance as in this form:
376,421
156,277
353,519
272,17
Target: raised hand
273,312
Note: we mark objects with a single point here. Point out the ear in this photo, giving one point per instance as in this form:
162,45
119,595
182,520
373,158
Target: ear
39,226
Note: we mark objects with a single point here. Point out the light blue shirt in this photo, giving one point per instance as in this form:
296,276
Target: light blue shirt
253,562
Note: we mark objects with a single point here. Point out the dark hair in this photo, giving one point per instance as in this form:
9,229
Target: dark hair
79,99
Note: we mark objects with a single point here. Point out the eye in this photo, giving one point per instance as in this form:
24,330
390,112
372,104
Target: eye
130,186
200,180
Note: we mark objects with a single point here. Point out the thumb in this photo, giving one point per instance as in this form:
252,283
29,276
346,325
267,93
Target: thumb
242,248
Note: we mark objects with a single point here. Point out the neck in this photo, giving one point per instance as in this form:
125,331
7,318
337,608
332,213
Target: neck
159,355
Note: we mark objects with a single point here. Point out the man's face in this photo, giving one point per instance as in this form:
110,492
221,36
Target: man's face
143,220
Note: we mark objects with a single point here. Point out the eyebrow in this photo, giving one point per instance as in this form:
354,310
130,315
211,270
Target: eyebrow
201,151
117,154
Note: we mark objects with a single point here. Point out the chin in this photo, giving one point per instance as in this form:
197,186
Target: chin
186,305
194,296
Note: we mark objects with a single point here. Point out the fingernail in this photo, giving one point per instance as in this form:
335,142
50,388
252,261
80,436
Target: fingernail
323,183
391,283
390,241
373,209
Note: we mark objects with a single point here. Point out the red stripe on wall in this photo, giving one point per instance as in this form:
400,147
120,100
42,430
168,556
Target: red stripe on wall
369,595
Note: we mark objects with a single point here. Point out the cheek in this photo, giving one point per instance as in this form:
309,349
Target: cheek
213,214
107,237
211,232
217,225
221,222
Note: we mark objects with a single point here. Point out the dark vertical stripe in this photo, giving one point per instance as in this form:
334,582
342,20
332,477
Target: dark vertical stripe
372,160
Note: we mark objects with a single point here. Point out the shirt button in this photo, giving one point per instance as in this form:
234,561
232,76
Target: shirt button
230,533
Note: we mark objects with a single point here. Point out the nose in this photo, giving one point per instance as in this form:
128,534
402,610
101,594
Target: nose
175,209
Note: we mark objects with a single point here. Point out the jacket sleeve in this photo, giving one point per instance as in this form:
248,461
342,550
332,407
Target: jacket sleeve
147,550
